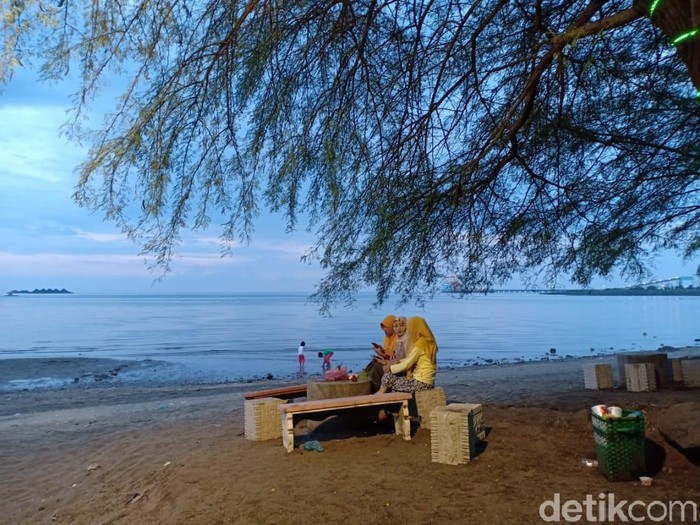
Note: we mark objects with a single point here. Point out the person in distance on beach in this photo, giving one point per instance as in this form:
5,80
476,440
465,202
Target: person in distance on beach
326,356
300,354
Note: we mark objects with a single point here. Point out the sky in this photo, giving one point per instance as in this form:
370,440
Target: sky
48,241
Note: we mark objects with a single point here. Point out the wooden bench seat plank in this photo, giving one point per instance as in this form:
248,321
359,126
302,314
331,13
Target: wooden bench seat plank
286,392
320,405
292,412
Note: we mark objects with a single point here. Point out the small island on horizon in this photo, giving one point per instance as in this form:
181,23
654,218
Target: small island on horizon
40,291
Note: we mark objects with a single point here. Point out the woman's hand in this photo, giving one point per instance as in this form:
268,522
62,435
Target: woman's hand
380,351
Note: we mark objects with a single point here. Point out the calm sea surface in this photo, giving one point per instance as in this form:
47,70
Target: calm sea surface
233,336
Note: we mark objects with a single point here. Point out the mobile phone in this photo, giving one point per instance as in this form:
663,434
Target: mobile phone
375,345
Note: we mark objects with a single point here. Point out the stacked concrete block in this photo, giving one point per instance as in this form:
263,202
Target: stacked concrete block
262,418
598,377
426,401
658,359
640,377
677,369
690,369
454,430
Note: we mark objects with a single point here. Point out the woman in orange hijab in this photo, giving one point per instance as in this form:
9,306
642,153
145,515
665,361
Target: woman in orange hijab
420,364
385,353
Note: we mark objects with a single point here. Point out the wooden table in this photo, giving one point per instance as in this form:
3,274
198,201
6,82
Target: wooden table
397,402
285,392
319,389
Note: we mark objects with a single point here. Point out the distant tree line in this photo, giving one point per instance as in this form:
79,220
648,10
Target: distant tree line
650,290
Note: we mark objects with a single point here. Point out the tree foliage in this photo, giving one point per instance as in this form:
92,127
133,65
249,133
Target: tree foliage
422,138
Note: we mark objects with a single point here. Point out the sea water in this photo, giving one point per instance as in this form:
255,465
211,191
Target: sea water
230,337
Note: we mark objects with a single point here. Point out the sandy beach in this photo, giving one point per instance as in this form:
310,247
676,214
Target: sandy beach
101,452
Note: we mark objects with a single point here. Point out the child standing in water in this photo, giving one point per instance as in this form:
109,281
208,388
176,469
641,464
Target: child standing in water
302,359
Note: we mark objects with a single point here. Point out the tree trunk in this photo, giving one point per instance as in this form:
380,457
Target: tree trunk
678,17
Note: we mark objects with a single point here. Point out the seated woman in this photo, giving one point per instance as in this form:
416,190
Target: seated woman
387,350
420,364
401,346
373,370
402,338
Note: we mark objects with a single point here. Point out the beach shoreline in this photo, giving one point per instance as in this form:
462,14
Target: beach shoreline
30,385
54,373
120,452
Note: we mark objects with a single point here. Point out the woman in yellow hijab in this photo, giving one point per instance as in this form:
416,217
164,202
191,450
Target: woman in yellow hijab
420,364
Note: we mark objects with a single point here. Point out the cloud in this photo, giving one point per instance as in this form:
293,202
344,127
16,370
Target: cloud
206,240
31,151
287,247
61,264
102,237
290,247
189,259
109,265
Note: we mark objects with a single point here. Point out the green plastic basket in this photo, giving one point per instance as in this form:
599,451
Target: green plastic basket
619,444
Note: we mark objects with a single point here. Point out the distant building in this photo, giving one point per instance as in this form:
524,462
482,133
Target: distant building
689,280
686,281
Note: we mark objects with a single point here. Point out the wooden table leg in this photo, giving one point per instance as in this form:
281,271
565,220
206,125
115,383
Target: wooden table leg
288,432
402,423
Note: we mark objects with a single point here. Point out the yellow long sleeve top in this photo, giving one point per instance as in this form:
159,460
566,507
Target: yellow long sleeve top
418,362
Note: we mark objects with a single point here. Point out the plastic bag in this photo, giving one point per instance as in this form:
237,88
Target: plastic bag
313,446
338,374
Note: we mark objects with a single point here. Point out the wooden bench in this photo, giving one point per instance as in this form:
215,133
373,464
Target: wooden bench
286,392
397,402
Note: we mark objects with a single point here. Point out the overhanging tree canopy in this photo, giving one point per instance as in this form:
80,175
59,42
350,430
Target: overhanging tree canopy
478,138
